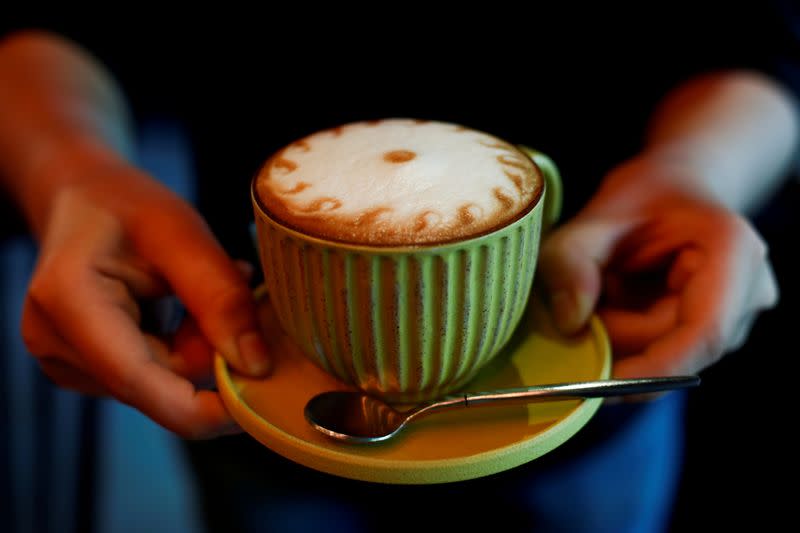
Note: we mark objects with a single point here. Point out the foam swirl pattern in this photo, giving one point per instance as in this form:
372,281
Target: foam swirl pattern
398,182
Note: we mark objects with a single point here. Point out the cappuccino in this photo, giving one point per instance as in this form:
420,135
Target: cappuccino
398,182
399,254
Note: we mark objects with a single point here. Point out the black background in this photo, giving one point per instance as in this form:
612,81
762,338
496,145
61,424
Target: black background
577,85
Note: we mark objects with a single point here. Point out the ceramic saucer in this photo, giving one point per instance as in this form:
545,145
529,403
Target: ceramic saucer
453,446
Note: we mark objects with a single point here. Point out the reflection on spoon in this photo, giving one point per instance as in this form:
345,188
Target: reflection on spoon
356,417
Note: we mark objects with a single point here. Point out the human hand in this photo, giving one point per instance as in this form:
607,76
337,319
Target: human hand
677,279
112,238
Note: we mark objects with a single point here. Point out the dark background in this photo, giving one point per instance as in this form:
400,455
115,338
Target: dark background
577,85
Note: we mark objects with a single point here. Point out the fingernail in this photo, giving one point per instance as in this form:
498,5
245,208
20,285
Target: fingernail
254,353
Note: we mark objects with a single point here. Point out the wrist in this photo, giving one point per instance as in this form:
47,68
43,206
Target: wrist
72,163
652,178
699,164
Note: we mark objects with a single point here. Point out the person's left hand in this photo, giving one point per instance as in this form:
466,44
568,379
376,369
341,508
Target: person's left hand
677,279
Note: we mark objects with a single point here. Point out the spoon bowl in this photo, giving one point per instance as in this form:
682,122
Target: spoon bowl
356,417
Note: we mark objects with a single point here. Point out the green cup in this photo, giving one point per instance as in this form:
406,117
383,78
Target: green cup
406,323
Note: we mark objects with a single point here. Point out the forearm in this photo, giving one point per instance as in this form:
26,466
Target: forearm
726,138
736,133
59,109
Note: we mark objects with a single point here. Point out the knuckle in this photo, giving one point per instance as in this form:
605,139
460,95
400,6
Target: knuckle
758,246
121,383
38,337
743,231
32,336
40,289
47,291
772,295
769,292
53,281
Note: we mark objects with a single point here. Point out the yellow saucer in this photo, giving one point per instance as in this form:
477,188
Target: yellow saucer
453,446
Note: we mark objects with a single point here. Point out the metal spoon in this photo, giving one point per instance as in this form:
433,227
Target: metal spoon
356,417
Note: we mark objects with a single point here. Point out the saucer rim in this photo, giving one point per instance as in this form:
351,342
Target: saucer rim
345,461
420,471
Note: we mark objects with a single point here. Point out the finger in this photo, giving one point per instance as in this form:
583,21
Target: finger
632,331
712,303
570,265
649,247
245,268
210,285
688,262
139,277
766,289
681,352
742,331
81,229
176,404
41,336
763,296
696,341
189,353
639,277
65,375
118,355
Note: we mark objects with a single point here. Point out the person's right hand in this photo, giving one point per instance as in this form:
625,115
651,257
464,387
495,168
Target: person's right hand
112,238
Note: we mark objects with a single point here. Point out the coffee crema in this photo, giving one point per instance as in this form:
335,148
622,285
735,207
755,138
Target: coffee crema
398,182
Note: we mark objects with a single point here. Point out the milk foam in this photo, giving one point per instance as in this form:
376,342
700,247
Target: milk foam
398,182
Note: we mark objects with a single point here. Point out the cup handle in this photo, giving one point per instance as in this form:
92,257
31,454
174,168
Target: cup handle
553,189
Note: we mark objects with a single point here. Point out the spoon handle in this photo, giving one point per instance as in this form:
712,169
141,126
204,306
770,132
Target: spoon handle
586,389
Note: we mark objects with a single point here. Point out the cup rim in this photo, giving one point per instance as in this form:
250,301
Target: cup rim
402,248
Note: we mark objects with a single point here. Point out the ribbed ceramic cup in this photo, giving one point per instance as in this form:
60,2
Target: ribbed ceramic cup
405,323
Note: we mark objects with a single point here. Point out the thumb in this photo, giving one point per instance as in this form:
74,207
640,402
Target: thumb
570,266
